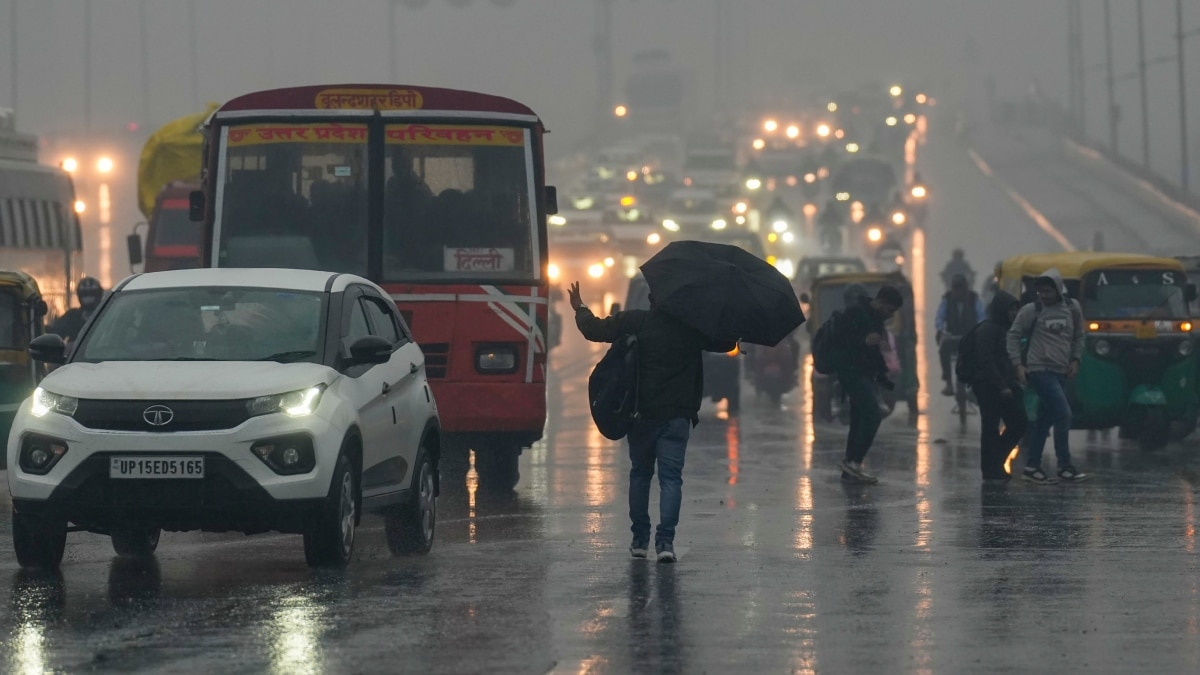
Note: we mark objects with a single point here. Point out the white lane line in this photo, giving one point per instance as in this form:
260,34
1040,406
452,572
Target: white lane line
1034,215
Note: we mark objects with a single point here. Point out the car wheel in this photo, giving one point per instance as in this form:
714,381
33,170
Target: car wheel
410,528
136,542
498,467
330,541
38,542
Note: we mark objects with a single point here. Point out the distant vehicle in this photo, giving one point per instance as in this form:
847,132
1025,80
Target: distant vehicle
248,400
439,196
39,224
870,180
590,255
710,166
172,238
693,211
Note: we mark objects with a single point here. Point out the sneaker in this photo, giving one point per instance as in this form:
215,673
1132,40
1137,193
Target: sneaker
948,390
1068,474
1034,474
666,551
638,548
855,470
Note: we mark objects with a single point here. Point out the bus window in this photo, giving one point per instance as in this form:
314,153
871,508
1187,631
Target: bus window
457,203
295,195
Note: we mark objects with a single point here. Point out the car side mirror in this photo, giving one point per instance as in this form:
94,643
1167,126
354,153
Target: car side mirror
48,349
134,243
1189,292
805,299
370,349
196,206
551,200
615,308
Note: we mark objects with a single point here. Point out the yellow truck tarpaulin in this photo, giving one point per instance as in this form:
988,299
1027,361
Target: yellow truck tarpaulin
173,153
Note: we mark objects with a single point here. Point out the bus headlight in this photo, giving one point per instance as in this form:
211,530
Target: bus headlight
553,272
1102,348
496,359
1186,347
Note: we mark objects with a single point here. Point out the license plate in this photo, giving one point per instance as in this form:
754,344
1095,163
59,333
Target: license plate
156,467
1145,331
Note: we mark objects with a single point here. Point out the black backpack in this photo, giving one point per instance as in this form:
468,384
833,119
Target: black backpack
828,354
613,389
965,368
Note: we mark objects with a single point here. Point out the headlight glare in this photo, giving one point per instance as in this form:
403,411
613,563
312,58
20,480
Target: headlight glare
45,402
294,403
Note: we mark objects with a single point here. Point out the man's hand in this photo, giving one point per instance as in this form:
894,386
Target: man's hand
874,339
1022,376
574,297
1073,369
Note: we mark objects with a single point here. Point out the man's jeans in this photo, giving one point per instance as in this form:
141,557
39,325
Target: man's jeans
666,443
865,416
1054,410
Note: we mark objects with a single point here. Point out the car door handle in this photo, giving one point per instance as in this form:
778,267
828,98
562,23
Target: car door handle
413,368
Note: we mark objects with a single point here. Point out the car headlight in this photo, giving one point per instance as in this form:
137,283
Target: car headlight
875,234
719,224
899,218
45,402
558,221
1186,347
496,359
780,226
1102,348
596,270
671,225
294,403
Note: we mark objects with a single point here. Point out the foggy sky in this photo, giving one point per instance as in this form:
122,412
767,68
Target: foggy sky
540,52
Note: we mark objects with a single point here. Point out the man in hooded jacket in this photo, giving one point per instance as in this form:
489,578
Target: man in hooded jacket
1053,327
996,388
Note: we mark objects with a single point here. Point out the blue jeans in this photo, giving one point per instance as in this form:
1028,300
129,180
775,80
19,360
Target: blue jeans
1054,410
666,443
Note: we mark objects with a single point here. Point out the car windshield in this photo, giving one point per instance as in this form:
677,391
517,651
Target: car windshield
12,331
218,323
1147,294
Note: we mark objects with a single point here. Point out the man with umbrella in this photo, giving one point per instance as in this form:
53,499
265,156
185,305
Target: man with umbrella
703,297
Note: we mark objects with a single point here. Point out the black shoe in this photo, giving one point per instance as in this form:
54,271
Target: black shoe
1068,474
638,548
1034,474
666,551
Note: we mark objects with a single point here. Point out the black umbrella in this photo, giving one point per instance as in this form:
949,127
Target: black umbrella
724,292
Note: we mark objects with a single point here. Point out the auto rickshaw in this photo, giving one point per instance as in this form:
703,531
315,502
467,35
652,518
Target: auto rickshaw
1138,369
22,313
827,296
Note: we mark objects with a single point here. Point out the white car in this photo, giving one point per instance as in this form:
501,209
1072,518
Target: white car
243,400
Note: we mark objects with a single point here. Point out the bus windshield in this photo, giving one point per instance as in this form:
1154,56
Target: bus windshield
1146,294
457,201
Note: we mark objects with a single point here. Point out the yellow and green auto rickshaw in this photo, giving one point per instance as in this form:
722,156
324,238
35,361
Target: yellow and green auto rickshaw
22,312
826,296
1138,369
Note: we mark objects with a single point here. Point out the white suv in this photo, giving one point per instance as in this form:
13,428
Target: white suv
236,399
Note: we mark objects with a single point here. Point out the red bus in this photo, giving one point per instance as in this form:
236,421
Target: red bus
437,195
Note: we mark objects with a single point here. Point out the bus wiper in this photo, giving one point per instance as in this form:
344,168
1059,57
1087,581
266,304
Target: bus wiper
284,357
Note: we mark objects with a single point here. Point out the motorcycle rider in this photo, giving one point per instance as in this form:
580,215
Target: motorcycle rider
958,265
89,292
959,312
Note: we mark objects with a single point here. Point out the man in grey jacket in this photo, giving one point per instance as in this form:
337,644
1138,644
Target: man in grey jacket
1053,327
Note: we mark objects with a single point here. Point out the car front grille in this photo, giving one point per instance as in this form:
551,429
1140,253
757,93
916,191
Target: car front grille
437,360
184,415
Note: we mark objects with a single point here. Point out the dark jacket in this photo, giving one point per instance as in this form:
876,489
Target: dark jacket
68,325
670,370
858,321
994,370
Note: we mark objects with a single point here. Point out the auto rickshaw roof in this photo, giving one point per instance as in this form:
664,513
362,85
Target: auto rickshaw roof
1077,264
20,282
861,278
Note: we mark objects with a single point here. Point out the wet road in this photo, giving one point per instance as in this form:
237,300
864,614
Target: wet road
783,568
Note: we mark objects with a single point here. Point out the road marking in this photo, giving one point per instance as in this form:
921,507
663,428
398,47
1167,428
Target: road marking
1034,215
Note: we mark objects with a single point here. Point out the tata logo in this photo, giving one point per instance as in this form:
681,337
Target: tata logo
158,415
